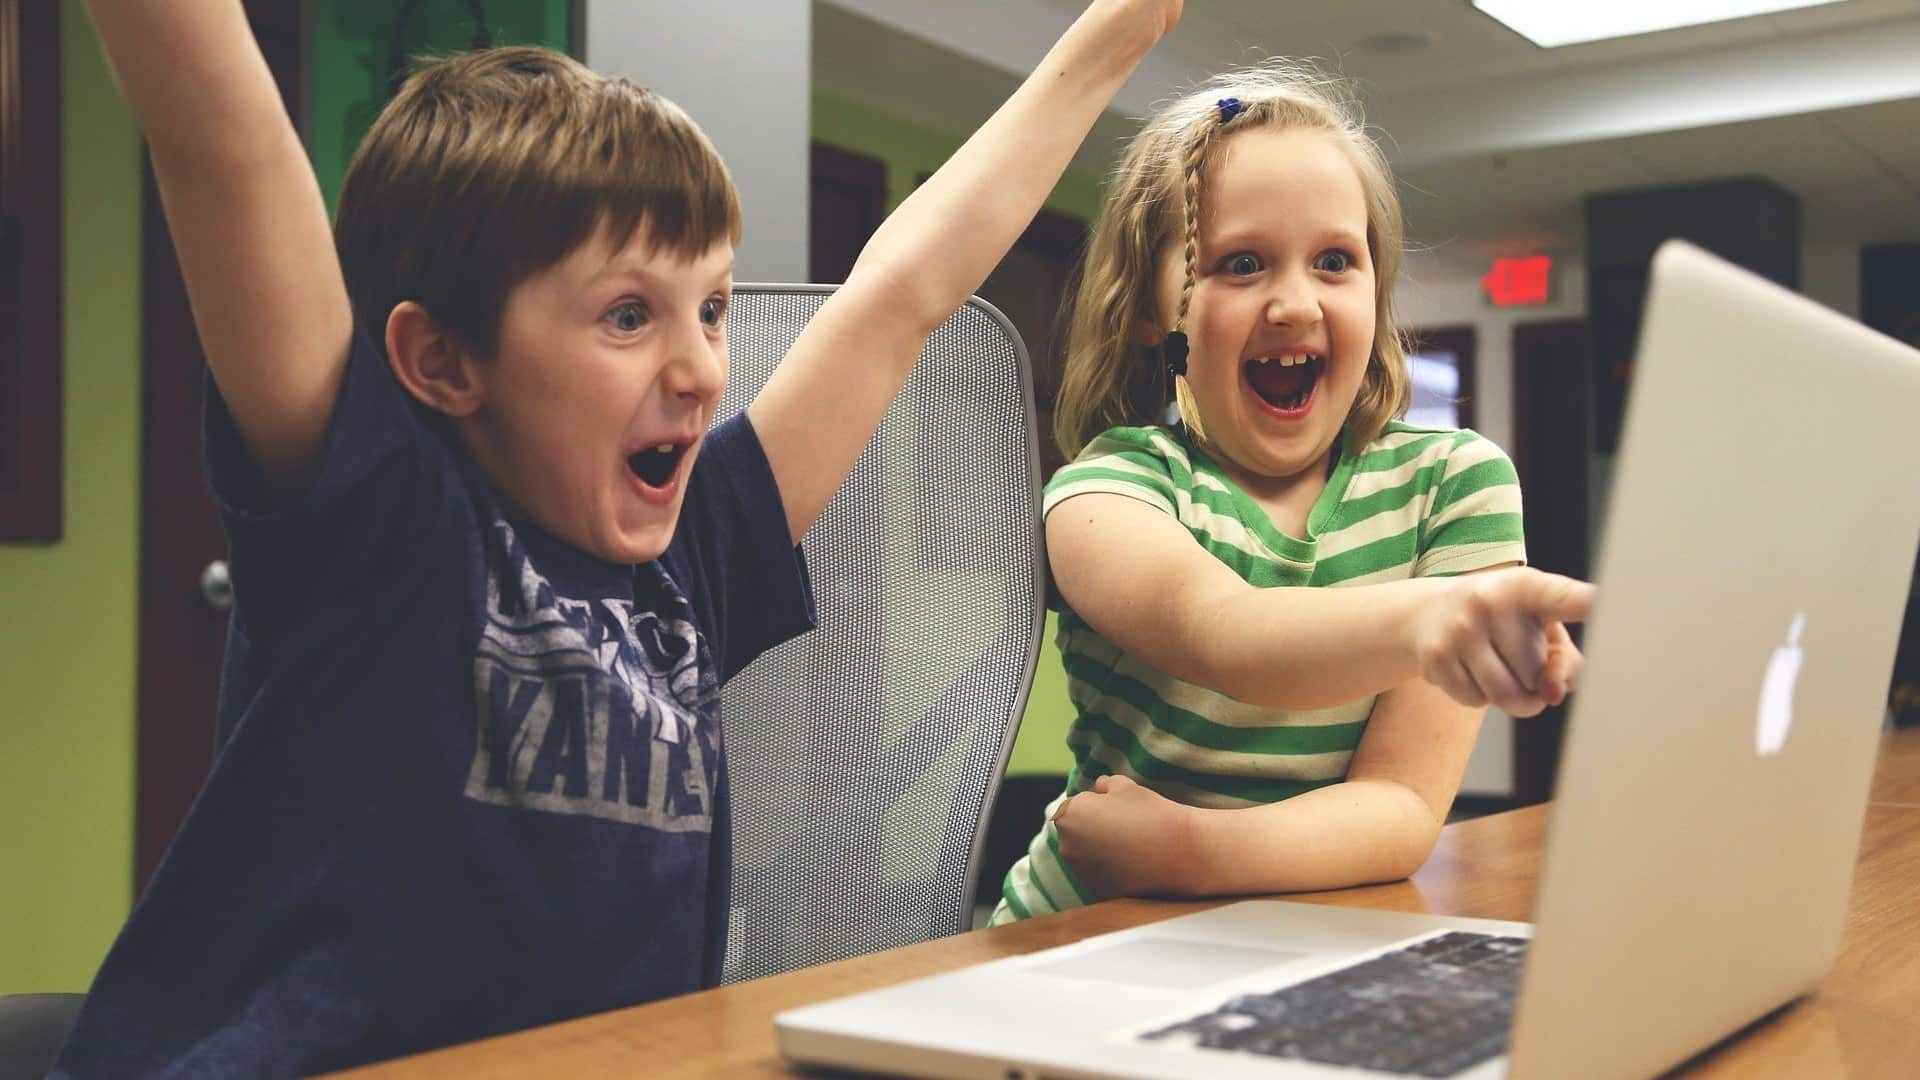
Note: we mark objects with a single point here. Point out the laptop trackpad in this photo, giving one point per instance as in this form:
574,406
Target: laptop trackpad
1164,963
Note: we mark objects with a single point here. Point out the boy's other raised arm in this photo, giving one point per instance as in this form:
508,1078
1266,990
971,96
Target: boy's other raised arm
824,403
247,220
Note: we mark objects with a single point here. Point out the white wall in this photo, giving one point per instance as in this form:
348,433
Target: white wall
1434,291
745,73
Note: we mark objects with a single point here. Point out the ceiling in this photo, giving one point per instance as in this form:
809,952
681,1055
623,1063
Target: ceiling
1495,140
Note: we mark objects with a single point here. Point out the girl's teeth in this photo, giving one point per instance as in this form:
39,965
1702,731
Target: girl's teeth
663,448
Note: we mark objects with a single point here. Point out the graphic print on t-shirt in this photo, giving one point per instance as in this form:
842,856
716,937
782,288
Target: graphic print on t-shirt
590,707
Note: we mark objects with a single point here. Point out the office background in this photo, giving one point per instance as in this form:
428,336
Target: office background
1789,98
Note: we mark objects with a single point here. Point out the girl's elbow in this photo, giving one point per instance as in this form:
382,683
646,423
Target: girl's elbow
1413,849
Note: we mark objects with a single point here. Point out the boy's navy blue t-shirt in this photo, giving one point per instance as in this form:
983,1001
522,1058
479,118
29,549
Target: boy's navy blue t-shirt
469,779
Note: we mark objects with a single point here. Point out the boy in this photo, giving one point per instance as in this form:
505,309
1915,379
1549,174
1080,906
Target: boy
490,564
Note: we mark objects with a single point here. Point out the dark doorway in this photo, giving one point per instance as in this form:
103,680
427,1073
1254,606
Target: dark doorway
847,201
1552,404
183,624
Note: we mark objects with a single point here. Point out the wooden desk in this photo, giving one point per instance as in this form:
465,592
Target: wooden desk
1896,775
1863,1022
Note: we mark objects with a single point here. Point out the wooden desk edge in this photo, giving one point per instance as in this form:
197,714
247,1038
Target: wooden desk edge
1485,867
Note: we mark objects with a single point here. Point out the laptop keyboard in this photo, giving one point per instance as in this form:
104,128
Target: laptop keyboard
1434,1008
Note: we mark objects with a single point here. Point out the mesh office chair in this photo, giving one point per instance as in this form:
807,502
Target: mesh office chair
864,756
33,1028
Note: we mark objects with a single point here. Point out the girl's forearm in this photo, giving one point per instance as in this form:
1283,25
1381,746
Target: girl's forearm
1352,833
1311,648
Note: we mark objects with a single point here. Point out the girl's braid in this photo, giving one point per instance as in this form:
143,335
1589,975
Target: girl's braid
1191,166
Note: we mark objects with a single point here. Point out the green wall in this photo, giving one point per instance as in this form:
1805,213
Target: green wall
908,151
67,638
1042,745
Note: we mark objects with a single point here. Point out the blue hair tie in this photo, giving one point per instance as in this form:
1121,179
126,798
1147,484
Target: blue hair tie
1229,108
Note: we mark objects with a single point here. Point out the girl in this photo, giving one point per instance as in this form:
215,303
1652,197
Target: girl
1240,726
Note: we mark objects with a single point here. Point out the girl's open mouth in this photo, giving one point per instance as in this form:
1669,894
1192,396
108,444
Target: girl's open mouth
1285,382
656,466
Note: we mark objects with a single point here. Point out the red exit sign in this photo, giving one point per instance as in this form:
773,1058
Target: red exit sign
1518,282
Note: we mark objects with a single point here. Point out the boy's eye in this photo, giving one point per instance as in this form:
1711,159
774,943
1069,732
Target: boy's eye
1242,264
1333,262
628,317
713,309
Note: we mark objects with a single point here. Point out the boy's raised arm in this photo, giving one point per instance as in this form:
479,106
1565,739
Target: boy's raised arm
826,400
247,220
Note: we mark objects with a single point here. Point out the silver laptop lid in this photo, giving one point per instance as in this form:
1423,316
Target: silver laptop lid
1762,525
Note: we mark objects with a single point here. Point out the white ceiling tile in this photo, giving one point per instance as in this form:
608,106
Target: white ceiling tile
1796,145
1508,203
1846,189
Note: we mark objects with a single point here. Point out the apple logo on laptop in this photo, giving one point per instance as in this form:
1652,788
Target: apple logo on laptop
1776,692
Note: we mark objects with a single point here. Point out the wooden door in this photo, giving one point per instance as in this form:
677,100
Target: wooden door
30,280
847,200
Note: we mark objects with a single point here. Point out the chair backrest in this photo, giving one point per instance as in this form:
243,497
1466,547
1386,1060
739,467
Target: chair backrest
33,1028
863,757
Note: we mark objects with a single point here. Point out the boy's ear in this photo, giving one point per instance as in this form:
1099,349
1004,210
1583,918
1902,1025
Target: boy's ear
433,366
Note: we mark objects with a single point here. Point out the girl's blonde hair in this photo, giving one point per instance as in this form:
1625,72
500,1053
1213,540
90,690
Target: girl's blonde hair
1154,196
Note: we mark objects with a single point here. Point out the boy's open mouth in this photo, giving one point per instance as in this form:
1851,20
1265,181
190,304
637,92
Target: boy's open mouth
656,464
1284,382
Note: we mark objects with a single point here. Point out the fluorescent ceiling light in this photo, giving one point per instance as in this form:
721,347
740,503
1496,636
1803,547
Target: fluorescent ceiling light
1549,23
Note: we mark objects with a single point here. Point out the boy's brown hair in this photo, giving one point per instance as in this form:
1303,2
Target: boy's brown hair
488,167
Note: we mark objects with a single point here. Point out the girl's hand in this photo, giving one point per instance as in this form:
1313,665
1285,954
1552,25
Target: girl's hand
1500,639
1121,839
1562,671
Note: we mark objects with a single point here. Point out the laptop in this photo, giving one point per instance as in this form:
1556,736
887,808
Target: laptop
1711,794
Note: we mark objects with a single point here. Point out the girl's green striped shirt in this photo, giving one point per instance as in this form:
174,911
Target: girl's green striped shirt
1414,502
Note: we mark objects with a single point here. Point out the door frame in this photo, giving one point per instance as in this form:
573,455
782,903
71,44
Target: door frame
182,639
30,255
